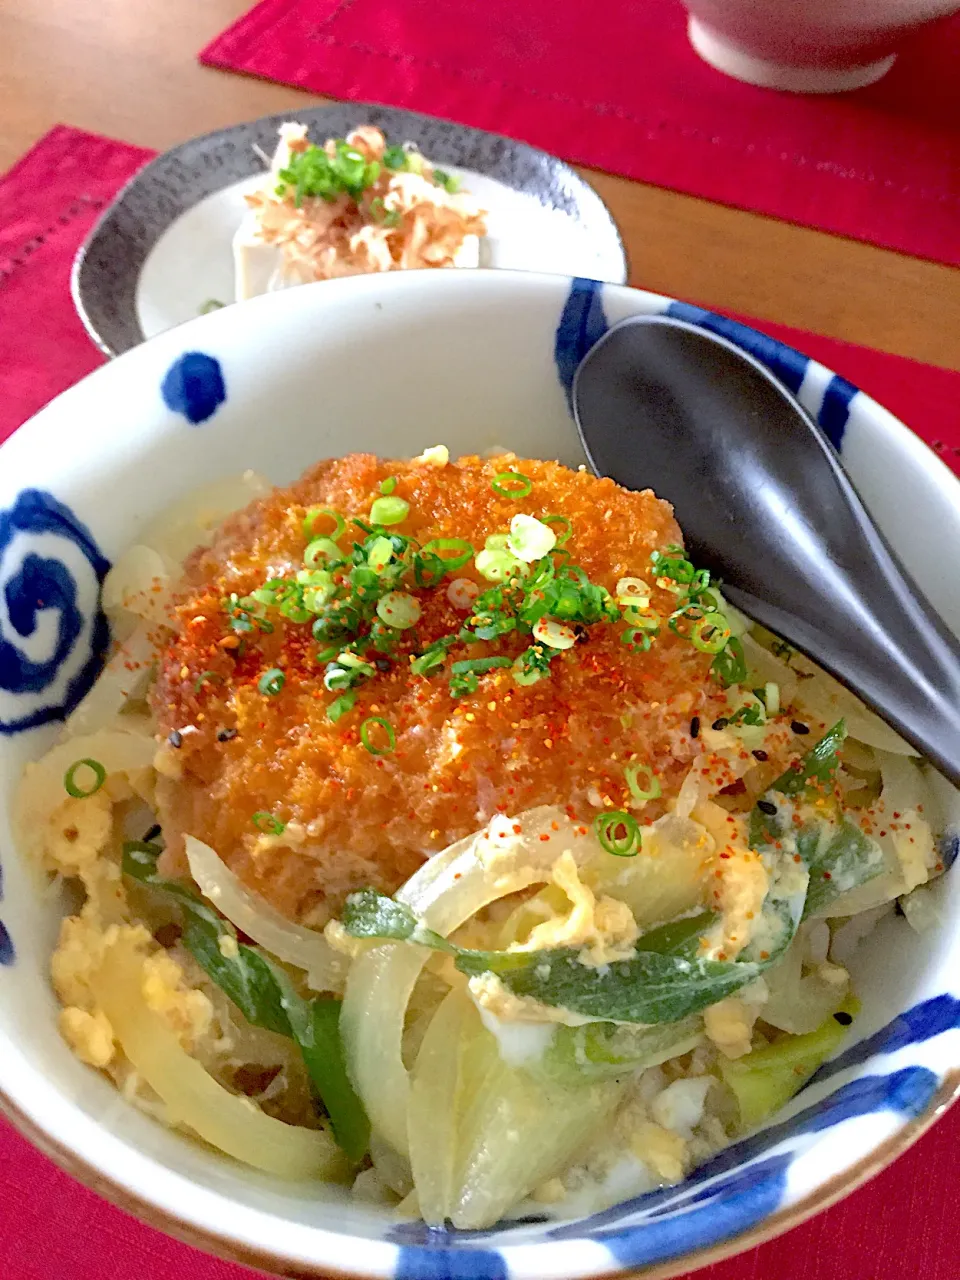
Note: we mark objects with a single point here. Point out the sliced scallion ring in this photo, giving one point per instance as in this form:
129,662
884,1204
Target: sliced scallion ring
498,566
205,678
267,823
387,486
389,510
398,609
511,484
461,549
314,514
271,682
618,833
711,633
380,554
385,725
641,794
638,639
321,549
74,788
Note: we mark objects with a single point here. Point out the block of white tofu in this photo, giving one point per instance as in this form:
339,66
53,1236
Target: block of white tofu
258,267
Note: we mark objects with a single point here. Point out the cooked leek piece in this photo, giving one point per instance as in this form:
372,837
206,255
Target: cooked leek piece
767,1078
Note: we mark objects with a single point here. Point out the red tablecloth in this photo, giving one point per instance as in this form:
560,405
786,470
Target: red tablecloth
618,87
902,1226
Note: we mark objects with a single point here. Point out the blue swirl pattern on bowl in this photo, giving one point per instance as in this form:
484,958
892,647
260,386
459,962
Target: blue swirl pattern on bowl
53,633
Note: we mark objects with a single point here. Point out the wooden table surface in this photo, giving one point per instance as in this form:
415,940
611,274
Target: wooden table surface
128,69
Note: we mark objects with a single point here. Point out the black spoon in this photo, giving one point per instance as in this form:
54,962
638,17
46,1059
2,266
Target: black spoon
764,504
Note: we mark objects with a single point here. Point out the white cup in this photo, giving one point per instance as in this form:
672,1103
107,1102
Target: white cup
807,46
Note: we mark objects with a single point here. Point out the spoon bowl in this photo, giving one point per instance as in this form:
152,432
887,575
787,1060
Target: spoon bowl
767,508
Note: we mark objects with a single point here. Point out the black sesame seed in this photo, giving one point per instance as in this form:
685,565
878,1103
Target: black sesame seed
797,727
152,833
176,738
765,806
382,664
580,632
695,727
843,1018
720,723
226,735
759,755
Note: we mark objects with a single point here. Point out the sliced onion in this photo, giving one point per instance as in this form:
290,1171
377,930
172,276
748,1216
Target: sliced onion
820,694
909,856
126,671
41,791
432,1118
292,943
798,1004
514,1131
138,583
190,521
666,878
446,891
193,1098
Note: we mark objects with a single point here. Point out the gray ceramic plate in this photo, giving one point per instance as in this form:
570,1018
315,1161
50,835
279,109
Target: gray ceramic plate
163,248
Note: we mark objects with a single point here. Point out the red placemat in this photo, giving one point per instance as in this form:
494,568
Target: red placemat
618,87
902,1226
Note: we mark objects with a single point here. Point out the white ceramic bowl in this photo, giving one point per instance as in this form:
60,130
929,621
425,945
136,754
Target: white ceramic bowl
807,46
392,364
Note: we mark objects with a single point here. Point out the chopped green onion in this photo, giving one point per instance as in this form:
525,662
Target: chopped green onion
379,554
566,527
498,566
633,592
314,514
433,656
211,304
642,620
478,665
618,833
446,180
388,730
644,644
511,484
205,678
340,706
389,510
642,794
711,633
462,551
530,539
321,547
395,158
78,792
771,697
387,486
399,609
267,823
271,682
553,633
730,665
673,568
